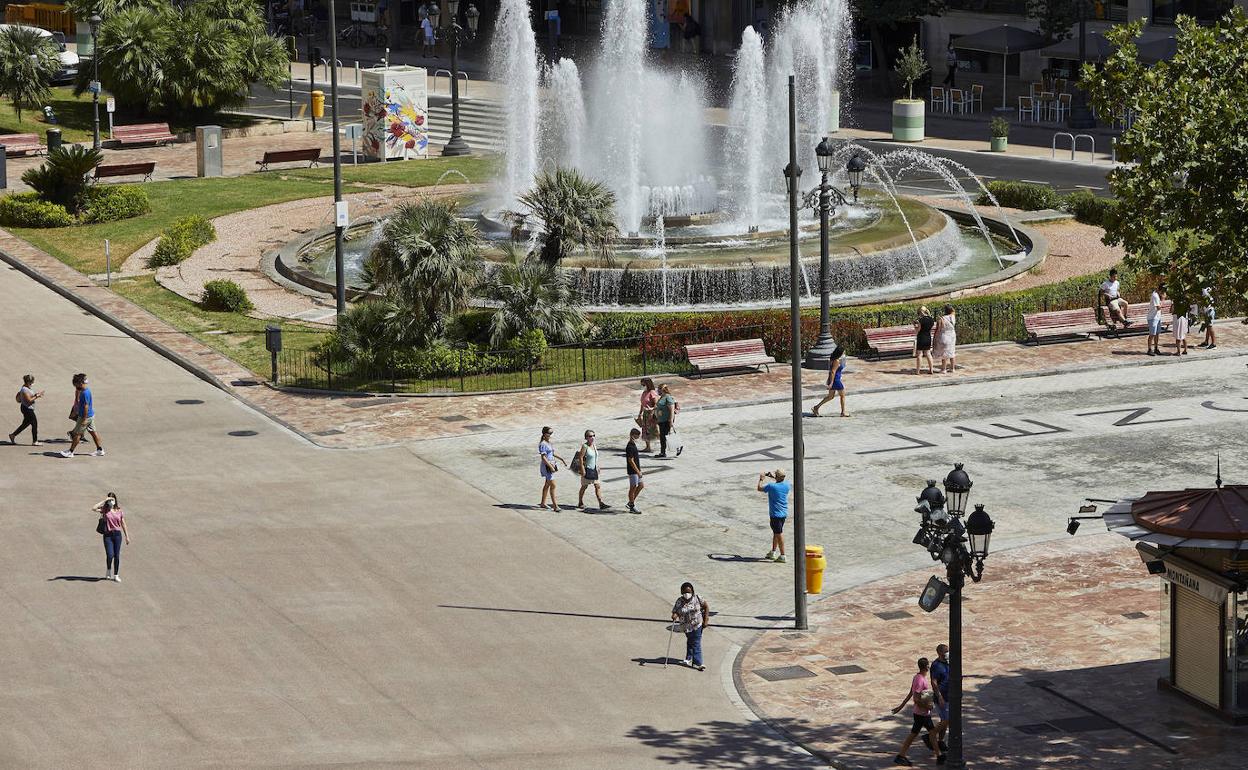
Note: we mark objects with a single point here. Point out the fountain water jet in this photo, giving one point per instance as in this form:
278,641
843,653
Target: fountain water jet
514,61
748,127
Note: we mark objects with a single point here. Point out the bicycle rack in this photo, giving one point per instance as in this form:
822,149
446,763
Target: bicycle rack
461,74
325,66
1091,150
1071,137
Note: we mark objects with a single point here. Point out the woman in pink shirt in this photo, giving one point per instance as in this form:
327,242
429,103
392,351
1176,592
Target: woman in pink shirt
924,696
645,417
113,522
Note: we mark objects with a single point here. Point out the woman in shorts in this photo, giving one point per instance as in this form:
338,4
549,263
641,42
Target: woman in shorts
547,466
588,465
836,388
646,420
924,696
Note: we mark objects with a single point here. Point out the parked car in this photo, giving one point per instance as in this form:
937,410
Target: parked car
69,59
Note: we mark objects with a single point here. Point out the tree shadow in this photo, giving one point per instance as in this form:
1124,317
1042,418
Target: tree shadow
722,744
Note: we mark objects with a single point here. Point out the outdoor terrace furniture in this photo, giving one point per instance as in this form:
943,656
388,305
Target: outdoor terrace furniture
890,339
143,133
958,100
310,154
1026,108
976,98
737,354
144,169
1044,105
20,144
939,103
1084,321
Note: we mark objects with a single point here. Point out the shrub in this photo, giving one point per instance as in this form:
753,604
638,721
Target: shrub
225,296
198,230
27,210
113,202
532,342
999,128
1021,195
180,240
1089,208
63,176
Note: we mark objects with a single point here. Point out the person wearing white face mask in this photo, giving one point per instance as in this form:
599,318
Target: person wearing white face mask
693,613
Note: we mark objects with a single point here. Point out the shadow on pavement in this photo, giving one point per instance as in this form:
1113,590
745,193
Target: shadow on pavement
589,615
734,557
76,578
724,744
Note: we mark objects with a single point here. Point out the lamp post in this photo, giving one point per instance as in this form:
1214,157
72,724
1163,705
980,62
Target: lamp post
792,173
340,206
94,21
457,34
821,198
962,548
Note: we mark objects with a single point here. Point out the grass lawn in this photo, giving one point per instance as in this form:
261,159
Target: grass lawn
237,336
407,173
74,117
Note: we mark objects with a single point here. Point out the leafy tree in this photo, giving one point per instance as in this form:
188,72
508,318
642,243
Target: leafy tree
28,62
1182,195
63,176
911,66
427,264
1056,17
368,334
880,15
573,210
530,293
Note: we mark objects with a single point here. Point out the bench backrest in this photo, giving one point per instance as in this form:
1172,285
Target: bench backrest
305,153
125,169
142,128
19,140
1076,316
886,333
722,349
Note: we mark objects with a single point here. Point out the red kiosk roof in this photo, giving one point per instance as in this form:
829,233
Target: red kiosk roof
1209,514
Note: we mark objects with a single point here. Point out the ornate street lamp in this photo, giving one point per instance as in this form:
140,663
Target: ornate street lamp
854,169
821,199
340,206
95,21
456,34
957,488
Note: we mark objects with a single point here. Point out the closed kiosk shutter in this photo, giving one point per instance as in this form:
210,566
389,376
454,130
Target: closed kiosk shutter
1197,645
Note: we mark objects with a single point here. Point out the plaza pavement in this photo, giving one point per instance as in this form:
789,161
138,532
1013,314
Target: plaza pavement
286,605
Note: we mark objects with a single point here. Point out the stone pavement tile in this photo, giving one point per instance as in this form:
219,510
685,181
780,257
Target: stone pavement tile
1029,628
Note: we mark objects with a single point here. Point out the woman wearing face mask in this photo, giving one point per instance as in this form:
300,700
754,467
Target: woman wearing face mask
588,466
693,613
113,521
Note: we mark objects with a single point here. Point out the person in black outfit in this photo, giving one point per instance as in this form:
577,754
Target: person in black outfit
632,458
951,62
26,398
923,339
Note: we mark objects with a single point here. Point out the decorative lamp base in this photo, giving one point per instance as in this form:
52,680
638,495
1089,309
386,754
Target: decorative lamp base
456,146
820,356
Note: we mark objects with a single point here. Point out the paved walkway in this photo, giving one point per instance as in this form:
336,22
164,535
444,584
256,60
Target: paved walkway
1062,659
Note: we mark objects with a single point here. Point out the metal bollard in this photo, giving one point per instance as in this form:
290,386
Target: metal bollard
357,72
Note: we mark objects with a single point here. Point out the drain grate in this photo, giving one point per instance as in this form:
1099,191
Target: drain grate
188,401
849,669
453,418
1083,724
893,615
241,433
330,432
779,649
1038,728
780,673
1134,615
478,427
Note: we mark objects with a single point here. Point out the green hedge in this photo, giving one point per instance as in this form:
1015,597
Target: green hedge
113,202
1021,195
225,296
1090,209
180,240
28,210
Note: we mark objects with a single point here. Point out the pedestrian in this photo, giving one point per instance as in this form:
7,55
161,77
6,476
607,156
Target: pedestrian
693,613
1207,316
951,65
923,339
945,341
83,415
633,459
1154,319
1179,325
426,26
645,416
1110,294
26,398
586,463
665,411
924,696
940,678
836,388
112,526
548,467
777,491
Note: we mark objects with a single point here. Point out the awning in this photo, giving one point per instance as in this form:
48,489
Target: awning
1097,48
1004,39
1189,518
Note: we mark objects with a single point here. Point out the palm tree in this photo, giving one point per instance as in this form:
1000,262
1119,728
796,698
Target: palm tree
531,293
574,211
427,262
131,50
28,62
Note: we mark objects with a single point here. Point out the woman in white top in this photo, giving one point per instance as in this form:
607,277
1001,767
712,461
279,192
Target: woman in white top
946,339
26,398
588,466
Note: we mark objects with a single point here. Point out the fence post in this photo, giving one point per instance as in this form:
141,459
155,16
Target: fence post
530,371
394,384
644,370
584,368
991,337
329,371
461,370
1046,303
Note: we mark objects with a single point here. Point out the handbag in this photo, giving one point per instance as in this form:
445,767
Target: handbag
101,527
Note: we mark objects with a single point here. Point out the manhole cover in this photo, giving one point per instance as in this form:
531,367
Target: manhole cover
893,615
843,670
330,432
244,383
1134,615
453,418
784,672
188,401
243,433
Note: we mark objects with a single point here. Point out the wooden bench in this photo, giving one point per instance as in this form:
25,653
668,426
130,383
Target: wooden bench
310,154
737,354
143,133
890,339
1084,321
125,169
20,144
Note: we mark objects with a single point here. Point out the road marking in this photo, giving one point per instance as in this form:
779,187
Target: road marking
1034,181
302,109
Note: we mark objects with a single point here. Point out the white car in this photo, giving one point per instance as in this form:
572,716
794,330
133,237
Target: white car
69,59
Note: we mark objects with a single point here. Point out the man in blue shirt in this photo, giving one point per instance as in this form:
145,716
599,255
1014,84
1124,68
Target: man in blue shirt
83,415
940,679
778,507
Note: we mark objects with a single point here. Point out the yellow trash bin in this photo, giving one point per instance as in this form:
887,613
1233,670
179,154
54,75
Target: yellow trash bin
815,564
318,104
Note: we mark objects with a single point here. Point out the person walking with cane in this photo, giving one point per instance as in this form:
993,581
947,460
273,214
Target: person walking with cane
112,526
693,614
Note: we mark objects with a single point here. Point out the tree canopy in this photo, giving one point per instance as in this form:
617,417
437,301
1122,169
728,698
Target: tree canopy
1183,197
28,62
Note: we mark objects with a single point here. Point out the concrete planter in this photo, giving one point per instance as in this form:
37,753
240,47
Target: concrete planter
908,120
999,143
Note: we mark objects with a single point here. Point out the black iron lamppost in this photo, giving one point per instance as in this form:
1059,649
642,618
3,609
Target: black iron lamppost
94,21
822,199
340,206
792,174
456,35
962,548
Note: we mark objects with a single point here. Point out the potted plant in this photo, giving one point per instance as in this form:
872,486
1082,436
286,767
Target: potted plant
908,113
999,131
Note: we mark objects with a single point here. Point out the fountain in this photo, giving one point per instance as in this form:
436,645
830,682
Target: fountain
515,63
